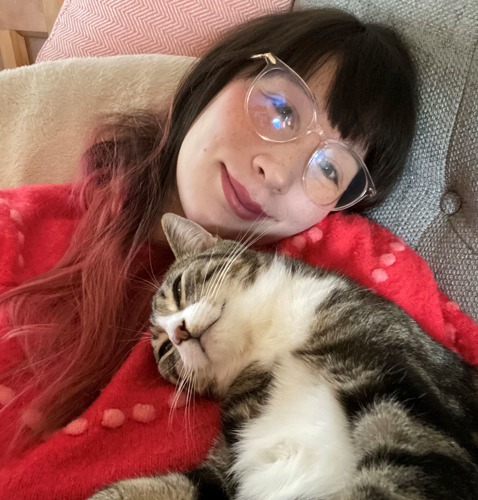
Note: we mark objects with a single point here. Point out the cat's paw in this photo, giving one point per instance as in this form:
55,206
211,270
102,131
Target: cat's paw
169,487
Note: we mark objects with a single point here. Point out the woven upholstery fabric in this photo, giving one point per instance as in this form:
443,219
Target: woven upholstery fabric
435,206
112,27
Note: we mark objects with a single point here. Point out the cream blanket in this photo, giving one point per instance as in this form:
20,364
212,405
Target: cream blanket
49,110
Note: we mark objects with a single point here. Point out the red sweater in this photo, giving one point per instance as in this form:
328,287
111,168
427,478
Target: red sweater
130,430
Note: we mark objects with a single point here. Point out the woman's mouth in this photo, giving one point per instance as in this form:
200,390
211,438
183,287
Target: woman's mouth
239,200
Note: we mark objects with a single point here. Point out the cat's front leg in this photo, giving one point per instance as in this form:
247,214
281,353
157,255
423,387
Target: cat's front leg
168,487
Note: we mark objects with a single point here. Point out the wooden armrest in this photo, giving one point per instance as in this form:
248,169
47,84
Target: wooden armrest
22,17
13,49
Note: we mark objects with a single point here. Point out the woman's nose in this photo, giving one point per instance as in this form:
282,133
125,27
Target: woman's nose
277,173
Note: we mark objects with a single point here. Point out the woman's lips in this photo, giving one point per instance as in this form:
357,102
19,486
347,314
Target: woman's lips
238,198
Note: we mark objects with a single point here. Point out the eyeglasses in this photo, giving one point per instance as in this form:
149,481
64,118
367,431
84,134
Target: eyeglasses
281,108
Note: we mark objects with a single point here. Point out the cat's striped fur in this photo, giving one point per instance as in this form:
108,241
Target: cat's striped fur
327,390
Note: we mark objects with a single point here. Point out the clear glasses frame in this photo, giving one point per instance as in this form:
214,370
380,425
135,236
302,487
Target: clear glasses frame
273,63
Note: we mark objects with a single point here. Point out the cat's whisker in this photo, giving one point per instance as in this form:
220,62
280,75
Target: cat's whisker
188,389
236,252
259,231
249,238
181,388
148,283
214,282
190,406
219,277
254,232
144,340
154,278
174,405
152,281
208,264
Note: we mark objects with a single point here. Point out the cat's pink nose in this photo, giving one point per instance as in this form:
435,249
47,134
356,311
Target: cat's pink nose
180,333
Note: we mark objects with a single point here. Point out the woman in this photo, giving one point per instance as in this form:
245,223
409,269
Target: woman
250,150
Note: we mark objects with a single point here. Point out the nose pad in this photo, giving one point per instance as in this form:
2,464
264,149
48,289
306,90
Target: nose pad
180,333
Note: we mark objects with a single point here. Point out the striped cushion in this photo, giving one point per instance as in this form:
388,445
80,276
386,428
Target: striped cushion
110,27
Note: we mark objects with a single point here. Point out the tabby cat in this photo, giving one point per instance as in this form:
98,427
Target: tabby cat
327,391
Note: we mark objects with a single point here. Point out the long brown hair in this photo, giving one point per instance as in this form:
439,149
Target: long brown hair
92,306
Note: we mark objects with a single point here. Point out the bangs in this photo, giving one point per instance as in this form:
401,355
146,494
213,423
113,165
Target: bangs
371,99
371,96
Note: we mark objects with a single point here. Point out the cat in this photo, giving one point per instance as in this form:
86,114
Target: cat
326,390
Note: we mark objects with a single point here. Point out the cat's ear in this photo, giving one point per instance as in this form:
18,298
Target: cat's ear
185,236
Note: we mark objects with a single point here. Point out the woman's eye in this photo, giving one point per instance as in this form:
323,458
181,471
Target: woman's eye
329,172
283,113
177,290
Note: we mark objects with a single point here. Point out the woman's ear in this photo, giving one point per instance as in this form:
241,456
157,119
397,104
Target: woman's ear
185,236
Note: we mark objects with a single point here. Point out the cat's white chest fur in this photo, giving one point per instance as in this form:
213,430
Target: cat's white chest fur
300,446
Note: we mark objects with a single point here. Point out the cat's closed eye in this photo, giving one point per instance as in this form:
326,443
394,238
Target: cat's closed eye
177,290
165,347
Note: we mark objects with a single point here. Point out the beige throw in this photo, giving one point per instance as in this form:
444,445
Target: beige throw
48,111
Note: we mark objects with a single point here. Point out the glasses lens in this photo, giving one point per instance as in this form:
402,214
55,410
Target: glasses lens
334,177
279,107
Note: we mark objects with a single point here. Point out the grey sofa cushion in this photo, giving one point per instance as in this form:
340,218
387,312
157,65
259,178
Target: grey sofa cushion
435,206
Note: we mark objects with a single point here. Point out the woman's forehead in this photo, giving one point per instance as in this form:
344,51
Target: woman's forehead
320,84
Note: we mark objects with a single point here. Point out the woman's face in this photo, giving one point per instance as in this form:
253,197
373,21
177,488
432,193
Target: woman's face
234,183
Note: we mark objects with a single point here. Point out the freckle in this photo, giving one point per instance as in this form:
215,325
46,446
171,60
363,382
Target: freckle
379,275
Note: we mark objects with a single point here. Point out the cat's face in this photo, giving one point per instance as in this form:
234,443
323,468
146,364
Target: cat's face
199,306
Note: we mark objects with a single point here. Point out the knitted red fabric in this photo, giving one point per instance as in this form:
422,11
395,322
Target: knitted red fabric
130,430
377,259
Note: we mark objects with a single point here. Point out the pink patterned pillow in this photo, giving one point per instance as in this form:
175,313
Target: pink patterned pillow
110,27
